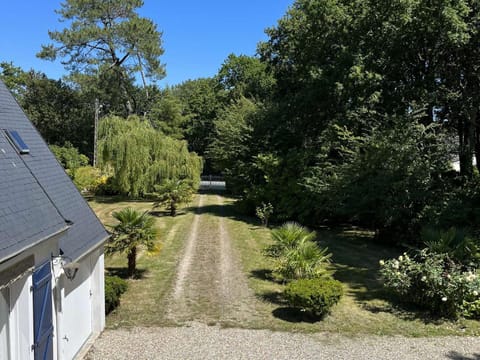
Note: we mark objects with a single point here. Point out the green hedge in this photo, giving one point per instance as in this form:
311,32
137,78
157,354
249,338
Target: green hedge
114,288
314,295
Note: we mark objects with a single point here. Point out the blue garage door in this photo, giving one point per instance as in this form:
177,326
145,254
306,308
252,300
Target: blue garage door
42,312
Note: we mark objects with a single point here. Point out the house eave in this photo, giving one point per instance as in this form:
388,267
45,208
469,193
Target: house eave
92,248
38,242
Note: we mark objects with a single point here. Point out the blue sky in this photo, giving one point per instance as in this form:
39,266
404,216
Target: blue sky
197,35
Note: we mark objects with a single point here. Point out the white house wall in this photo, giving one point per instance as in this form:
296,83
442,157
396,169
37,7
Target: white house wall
21,319
18,298
4,314
82,305
79,305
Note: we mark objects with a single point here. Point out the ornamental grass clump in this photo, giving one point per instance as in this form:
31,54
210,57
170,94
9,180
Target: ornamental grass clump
434,282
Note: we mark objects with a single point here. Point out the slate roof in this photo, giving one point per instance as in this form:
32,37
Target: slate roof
37,198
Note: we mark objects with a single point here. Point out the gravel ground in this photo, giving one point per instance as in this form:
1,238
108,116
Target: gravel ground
199,341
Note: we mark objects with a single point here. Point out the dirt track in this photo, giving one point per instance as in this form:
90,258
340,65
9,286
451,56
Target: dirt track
210,287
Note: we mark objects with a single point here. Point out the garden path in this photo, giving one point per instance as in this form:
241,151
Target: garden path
210,286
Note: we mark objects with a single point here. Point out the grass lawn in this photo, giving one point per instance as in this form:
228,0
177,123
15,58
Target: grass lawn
365,308
140,304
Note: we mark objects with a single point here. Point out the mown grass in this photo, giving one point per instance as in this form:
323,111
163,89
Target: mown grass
365,309
142,304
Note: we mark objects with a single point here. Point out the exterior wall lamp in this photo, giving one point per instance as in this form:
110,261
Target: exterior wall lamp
69,267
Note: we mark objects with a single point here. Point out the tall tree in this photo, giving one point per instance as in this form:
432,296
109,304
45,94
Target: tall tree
201,102
166,114
245,76
142,157
61,113
107,36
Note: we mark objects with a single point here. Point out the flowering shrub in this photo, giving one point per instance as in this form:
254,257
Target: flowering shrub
434,282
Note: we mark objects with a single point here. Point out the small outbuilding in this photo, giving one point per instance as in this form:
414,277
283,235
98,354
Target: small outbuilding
51,249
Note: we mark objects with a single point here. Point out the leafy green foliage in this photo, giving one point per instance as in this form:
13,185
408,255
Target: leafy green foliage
201,102
88,179
114,288
244,76
166,115
62,115
134,229
106,33
229,150
69,157
171,193
107,44
314,295
457,243
142,157
296,254
434,282
263,212
387,181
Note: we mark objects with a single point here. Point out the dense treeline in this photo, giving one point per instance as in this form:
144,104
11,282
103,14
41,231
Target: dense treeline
371,103
352,112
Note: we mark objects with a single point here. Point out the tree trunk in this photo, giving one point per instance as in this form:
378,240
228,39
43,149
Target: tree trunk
132,261
466,137
477,143
173,209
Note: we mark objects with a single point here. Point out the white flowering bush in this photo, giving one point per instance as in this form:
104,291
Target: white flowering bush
434,282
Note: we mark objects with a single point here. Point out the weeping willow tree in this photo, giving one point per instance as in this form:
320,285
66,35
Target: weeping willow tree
142,157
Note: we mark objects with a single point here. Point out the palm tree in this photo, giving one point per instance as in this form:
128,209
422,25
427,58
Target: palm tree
134,229
172,193
305,261
296,253
287,237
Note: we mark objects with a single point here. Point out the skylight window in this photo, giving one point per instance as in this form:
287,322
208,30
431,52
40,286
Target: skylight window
17,140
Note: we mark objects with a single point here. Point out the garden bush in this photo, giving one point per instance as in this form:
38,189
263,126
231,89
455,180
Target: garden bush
434,282
107,187
263,212
69,157
314,295
114,288
88,179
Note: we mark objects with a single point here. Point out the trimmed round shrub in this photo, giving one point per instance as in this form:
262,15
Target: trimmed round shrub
114,288
314,295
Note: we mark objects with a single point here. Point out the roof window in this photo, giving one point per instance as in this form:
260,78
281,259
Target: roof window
17,140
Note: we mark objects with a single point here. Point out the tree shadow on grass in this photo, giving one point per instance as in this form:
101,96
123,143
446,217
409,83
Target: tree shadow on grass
295,315
116,199
455,355
355,262
274,297
228,210
122,272
262,274
166,213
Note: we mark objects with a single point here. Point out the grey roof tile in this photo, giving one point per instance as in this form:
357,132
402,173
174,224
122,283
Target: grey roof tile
36,195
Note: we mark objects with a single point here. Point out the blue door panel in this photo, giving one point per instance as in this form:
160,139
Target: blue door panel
42,313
